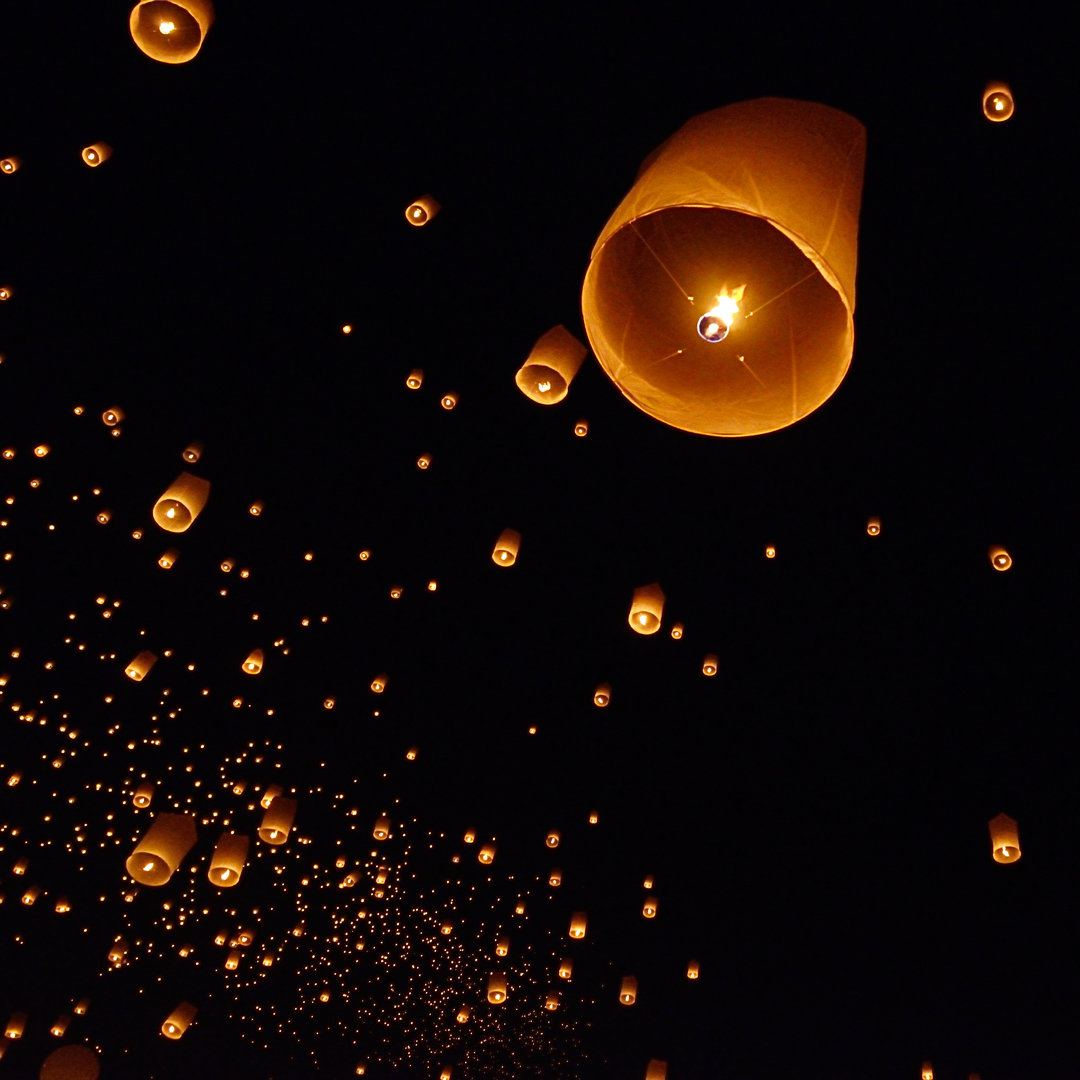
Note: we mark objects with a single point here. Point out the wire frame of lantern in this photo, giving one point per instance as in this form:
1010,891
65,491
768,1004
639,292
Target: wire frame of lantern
422,210
227,862
656,1070
171,31
506,548
997,102
181,502
138,668
277,820
10,165
158,855
550,367
253,664
1000,559
646,609
1005,839
144,793
496,989
578,924
96,153
602,695
179,1020
628,990
720,294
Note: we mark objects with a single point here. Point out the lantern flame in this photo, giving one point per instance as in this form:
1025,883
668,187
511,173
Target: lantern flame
714,325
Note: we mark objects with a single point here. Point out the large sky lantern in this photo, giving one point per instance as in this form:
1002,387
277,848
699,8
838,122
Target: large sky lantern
227,862
172,32
1005,838
656,1070
96,153
506,548
422,210
720,294
277,820
496,989
181,503
140,665
158,855
71,1062
997,102
550,367
646,608
179,1020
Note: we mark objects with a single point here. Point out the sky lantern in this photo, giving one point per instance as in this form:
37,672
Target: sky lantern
581,428
94,154
270,793
277,820
381,831
710,664
254,662
415,379
873,526
720,294
463,1014
496,989
551,366
60,1025
506,548
656,1070
448,401
997,102
648,909
71,1062
646,608
486,854
227,862
178,1021
551,1002
15,1026
927,1071
502,946
602,695
167,559
1000,559
9,165
118,952
1005,838
578,923
6,292
378,684
171,31
192,452
693,969
566,968
628,990
113,416
181,502
552,839
422,210
555,878
158,855
144,793
140,665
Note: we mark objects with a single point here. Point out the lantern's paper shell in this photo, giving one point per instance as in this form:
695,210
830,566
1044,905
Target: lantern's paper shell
646,609
277,820
71,1062
227,862
171,31
178,1021
422,211
551,366
159,853
765,194
1005,838
181,503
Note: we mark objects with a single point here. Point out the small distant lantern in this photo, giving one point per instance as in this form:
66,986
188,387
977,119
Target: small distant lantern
94,154
15,1026
677,632
552,838
710,664
602,695
506,548
446,929
378,684
143,662
410,754
381,831
178,1021
551,366
29,898
256,508
646,608
158,855
192,452
168,558
227,565
502,946
423,461
254,662
1000,559
232,961
396,592
519,908
277,820
873,526
60,1026
41,450
927,1071
118,952
566,968
648,909
496,991
997,102
693,969
1005,838
143,795
486,854
628,990
227,862
112,417
594,818
555,878
181,503
271,792
422,210
171,31
463,1014
656,1070
9,165
551,1002
81,1006
581,428
415,379
62,906
770,551
578,923
6,292
470,836
449,401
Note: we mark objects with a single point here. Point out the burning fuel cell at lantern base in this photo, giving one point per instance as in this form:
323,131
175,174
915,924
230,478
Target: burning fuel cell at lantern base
715,324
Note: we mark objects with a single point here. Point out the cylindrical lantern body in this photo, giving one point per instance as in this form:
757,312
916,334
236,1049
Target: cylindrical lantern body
710,664
648,909
486,854
94,154
496,991
764,195
506,548
1000,559
415,379
927,1070
628,990
566,968
997,102
178,1021
143,795
9,165
552,839
1005,838
381,831
602,695
192,452
143,662
112,417
160,852
181,503
656,1070
171,31
71,1062
254,662
227,862
693,970
551,366
277,820
873,526
646,608
578,923
422,210
168,558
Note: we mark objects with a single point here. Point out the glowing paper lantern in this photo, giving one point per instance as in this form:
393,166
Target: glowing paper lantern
81,1006
551,1002
143,795
159,853
677,632
449,401
270,794
9,165
873,526
178,1021
486,854
602,695
496,989
277,820
555,878
693,970
1005,839
227,862
648,909
112,417
181,502
566,968
502,946
381,831
415,379
746,220
770,552
552,839
168,558
422,211
997,102
423,461
118,952
94,154
710,664
254,662
60,1026
143,662
578,923
171,31
628,990
378,684
656,1070
551,366
506,548
71,1062
6,292
646,608
1000,559
927,1071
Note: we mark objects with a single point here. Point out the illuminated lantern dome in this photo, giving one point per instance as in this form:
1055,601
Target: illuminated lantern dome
9,165
628,990
422,211
70,1063
1000,559
181,503
927,1071
171,32
144,793
277,820
578,922
873,526
137,669
720,294
177,1022
602,695
496,992
227,862
656,1070
506,548
1005,838
551,366
159,853
997,102
254,662
94,154
646,608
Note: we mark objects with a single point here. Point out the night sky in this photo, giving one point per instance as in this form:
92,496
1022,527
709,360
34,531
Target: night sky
814,816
